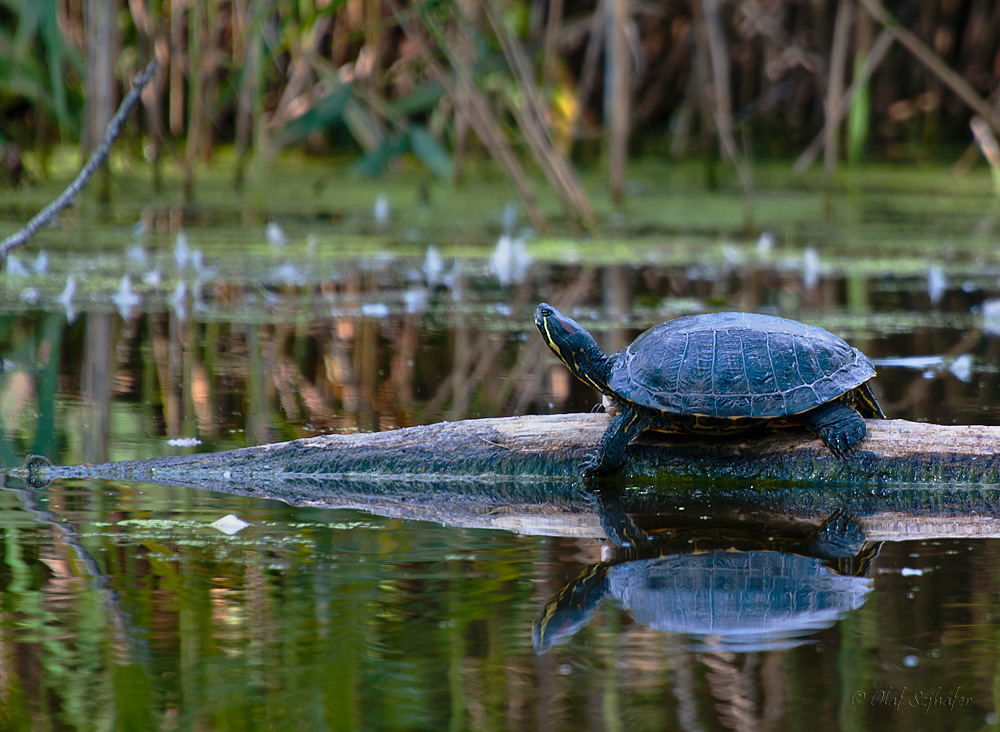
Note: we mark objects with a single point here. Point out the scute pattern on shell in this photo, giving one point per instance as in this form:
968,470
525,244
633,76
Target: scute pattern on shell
737,365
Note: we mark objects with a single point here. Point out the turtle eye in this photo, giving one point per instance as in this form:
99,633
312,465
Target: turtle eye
545,312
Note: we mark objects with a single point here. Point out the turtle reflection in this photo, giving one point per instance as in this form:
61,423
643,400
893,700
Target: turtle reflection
731,589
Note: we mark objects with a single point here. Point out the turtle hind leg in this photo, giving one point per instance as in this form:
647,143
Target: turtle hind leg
610,454
839,426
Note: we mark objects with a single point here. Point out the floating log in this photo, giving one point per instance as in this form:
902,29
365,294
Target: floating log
553,446
906,480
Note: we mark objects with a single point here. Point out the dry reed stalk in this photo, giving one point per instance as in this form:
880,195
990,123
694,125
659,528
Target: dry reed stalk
952,79
481,116
195,95
835,115
100,97
531,117
553,27
621,98
987,143
972,152
99,105
210,68
175,106
248,109
588,72
153,34
711,21
242,60
465,52
835,88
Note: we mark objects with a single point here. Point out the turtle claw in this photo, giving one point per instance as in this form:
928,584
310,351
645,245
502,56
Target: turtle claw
594,467
841,441
838,444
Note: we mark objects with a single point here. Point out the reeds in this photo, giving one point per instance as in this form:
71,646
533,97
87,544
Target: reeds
460,80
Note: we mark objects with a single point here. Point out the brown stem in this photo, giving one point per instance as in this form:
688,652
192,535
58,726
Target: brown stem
711,22
621,98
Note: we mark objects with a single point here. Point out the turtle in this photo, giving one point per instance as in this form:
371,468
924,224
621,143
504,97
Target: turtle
717,373
738,588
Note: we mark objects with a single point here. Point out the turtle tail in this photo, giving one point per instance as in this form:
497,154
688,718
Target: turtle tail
866,403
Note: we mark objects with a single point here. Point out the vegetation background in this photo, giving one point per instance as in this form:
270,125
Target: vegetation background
541,89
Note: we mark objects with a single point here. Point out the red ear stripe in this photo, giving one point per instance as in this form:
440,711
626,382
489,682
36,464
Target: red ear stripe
564,325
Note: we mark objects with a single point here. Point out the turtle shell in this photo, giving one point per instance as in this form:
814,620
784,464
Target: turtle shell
731,365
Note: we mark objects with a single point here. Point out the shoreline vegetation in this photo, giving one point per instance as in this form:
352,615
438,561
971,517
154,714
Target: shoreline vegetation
545,90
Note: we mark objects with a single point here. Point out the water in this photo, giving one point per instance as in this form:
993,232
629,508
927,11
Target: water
124,607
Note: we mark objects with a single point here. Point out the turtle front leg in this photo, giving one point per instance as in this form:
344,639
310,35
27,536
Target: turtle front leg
839,426
610,454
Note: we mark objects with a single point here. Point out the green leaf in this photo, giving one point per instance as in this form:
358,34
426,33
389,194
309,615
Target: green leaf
372,163
326,112
858,119
431,153
422,99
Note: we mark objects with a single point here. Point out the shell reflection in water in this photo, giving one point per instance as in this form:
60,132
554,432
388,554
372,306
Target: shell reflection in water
728,589
750,601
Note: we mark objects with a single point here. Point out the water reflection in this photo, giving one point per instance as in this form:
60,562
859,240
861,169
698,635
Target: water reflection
120,605
730,588
124,602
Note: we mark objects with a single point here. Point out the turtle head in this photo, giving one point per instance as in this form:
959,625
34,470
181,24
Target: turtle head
574,346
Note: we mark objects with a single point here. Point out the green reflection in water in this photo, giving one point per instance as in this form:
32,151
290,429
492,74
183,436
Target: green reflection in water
327,619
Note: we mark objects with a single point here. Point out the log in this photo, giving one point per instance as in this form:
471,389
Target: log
905,480
553,446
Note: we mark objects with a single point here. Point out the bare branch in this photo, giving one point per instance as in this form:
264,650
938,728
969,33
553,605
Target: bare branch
96,159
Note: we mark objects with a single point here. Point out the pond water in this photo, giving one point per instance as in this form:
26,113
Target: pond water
126,606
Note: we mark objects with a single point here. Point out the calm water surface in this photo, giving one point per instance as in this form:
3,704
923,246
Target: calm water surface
123,607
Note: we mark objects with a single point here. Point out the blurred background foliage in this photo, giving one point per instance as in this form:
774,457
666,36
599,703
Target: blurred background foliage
538,86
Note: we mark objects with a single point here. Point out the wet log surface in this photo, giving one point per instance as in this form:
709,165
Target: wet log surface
906,480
